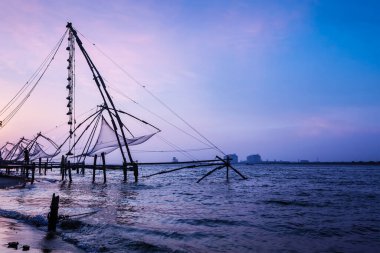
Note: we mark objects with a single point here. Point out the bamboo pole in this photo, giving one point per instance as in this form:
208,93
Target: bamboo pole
125,171
69,169
93,169
33,171
39,165
135,172
210,172
63,168
104,167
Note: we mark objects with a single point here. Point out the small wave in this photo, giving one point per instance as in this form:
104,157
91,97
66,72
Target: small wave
209,222
37,220
289,203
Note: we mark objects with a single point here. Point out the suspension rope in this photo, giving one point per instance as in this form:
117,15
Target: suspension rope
18,107
170,151
154,96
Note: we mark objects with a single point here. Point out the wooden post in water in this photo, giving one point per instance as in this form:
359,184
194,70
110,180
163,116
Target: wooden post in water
45,168
63,167
53,214
69,170
33,171
62,164
47,161
83,168
93,168
125,171
136,172
104,167
26,156
39,165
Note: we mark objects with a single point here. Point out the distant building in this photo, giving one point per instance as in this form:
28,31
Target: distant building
175,160
233,158
254,159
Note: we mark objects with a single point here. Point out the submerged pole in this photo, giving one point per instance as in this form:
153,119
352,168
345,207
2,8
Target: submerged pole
104,167
39,165
93,168
33,171
62,164
125,171
136,172
69,169
83,168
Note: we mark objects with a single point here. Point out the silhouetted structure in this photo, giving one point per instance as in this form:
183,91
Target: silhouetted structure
233,158
254,159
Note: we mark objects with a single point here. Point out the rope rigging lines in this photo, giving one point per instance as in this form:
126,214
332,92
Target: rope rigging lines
11,108
208,141
115,130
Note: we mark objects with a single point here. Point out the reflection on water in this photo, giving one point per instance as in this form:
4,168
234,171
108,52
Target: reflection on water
279,208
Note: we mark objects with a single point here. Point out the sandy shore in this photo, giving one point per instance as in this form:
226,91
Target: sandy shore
14,231
10,181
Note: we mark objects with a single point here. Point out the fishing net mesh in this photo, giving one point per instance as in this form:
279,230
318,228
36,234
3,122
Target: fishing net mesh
107,140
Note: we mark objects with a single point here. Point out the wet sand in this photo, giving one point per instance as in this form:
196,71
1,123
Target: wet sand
14,231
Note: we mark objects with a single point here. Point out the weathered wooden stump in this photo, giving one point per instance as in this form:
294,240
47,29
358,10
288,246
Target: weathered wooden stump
53,214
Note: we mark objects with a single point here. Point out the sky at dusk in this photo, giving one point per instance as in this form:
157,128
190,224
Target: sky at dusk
286,79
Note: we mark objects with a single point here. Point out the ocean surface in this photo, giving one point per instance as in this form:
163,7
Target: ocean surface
280,208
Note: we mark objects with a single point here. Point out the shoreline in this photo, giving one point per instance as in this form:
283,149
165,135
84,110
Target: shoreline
16,231
12,230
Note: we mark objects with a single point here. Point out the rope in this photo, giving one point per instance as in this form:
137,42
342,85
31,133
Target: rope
13,100
154,96
170,151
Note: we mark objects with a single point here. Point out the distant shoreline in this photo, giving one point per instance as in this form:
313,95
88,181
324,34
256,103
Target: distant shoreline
315,163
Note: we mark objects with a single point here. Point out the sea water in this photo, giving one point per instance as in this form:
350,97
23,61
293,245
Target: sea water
280,208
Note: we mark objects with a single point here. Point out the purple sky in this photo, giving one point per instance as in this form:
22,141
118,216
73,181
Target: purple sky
286,79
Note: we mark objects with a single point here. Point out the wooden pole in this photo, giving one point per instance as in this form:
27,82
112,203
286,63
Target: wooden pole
39,165
47,161
104,167
63,167
125,171
83,168
69,169
53,214
62,164
93,168
26,156
33,171
45,168
136,172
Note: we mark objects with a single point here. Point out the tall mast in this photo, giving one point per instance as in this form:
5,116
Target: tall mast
70,87
106,98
